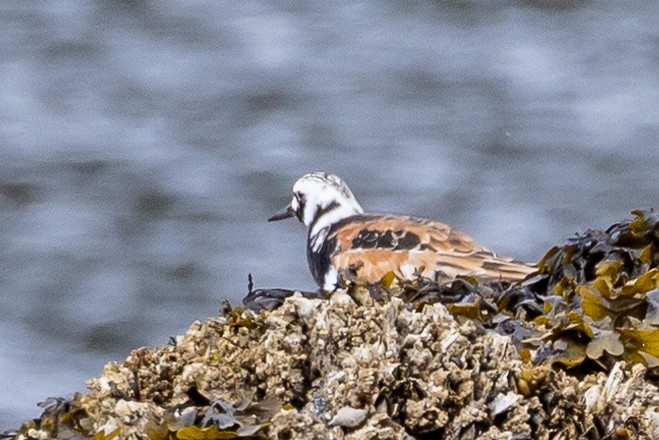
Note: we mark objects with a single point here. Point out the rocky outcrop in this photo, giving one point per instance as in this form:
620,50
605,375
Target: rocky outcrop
405,359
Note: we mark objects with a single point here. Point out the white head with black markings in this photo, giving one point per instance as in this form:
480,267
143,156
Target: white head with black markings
319,201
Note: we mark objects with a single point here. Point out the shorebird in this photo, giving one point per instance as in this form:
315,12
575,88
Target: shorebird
340,236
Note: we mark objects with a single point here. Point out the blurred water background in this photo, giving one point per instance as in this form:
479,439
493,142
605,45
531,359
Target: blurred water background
144,143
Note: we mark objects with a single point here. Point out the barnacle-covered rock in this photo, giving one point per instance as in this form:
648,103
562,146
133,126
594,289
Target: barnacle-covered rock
565,354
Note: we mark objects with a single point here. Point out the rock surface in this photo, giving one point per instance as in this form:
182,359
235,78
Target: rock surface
338,369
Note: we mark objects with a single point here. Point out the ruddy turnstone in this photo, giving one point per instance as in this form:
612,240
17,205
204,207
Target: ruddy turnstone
341,235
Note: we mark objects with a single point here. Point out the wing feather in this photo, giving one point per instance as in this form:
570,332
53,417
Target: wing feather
384,243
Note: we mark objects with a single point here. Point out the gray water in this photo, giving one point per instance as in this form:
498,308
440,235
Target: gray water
143,145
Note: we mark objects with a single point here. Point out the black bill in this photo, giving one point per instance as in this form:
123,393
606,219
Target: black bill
286,213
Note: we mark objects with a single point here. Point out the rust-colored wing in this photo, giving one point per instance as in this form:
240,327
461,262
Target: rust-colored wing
405,245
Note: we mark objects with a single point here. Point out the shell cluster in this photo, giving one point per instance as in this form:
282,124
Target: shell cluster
347,370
